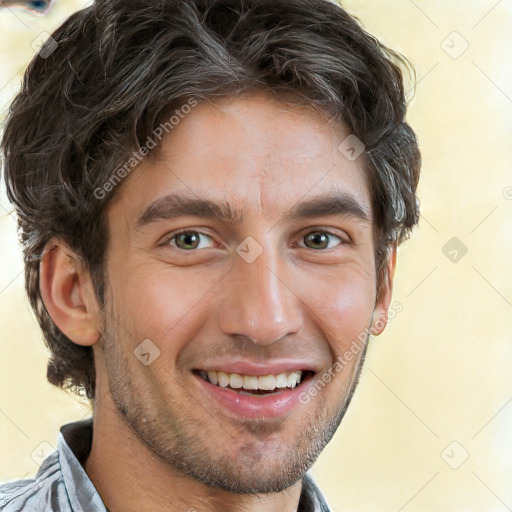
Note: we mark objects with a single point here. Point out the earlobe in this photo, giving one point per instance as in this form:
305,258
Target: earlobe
68,294
385,289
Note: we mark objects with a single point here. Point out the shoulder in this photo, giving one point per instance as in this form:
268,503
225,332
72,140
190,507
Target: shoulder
36,494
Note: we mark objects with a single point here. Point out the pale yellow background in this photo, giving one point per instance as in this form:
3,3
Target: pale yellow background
442,370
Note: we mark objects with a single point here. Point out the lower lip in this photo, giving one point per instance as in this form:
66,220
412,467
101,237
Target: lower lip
257,406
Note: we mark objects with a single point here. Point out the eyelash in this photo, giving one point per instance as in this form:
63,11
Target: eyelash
185,231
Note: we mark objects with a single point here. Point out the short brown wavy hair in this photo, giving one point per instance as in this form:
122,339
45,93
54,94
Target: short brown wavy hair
120,65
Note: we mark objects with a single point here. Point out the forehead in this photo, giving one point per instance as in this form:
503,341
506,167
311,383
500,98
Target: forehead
259,154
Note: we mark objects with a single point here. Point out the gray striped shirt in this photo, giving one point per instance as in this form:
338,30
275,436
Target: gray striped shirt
62,485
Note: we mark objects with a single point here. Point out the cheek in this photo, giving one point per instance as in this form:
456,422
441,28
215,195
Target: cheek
163,305
343,307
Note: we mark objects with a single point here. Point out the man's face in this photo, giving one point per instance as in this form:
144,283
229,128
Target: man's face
269,297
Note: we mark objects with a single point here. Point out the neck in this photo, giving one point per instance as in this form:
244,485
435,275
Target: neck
130,477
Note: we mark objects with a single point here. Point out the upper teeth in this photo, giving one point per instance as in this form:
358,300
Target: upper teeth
252,382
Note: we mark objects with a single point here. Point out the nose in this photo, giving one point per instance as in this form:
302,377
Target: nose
259,301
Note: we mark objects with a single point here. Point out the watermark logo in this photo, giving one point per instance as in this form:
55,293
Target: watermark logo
351,148
249,249
147,352
455,455
41,452
454,45
454,250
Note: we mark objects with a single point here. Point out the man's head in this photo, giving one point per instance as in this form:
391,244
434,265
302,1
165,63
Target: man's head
213,187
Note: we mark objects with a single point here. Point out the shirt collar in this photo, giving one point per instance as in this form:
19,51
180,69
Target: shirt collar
74,446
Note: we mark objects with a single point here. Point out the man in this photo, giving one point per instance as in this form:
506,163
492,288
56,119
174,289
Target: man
210,197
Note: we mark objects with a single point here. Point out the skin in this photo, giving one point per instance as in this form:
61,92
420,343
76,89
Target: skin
160,443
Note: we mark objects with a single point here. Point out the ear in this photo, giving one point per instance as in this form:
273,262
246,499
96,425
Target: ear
384,292
68,294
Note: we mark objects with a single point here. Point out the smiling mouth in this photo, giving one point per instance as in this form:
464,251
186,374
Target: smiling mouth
255,385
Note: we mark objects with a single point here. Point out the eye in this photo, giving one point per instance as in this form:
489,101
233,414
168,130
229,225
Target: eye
188,240
321,240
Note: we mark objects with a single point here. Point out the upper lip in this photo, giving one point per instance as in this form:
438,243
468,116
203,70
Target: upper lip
258,369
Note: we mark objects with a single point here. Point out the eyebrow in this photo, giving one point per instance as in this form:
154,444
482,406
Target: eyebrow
174,205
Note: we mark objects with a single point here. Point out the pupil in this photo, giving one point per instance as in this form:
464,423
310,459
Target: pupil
190,239
319,238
